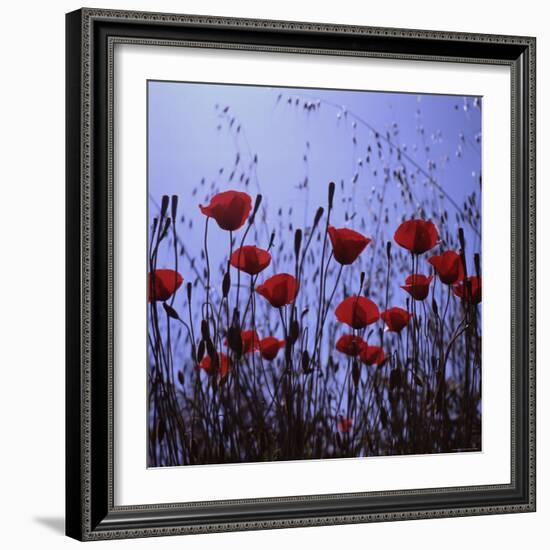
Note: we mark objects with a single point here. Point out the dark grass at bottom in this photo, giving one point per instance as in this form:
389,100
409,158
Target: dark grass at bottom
340,446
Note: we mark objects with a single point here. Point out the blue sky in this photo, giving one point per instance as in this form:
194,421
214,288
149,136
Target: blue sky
288,143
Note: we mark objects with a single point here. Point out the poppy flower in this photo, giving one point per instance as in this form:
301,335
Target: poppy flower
357,312
346,244
223,365
448,266
418,236
230,209
344,424
372,355
350,344
279,290
396,318
162,284
250,341
270,346
473,293
250,259
417,286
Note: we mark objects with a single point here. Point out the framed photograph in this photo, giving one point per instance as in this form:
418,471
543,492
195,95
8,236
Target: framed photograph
300,274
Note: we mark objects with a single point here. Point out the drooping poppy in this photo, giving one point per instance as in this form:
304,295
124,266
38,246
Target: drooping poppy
347,244
223,365
357,312
473,294
250,259
279,290
372,355
418,236
270,346
418,286
162,284
448,267
250,341
230,209
396,318
344,424
350,344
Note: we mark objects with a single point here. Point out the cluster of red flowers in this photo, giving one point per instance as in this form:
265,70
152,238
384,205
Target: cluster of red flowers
417,236
249,343
231,209
355,346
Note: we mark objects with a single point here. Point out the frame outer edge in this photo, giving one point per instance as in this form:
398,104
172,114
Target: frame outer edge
79,301
74,496
287,25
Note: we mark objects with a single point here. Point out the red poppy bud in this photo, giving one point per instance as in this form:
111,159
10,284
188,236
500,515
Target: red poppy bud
350,344
396,318
346,244
470,291
372,355
223,365
162,284
418,286
250,341
230,209
448,267
270,346
250,259
418,236
279,290
357,312
344,424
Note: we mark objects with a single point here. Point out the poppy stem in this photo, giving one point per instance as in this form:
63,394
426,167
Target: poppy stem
207,266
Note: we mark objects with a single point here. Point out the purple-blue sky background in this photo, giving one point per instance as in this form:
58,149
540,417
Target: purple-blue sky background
197,131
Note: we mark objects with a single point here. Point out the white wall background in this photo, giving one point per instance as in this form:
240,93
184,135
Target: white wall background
32,273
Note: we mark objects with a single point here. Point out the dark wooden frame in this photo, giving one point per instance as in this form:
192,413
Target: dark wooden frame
90,510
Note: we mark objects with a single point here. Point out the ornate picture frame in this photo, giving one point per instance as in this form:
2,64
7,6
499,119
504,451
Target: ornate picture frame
91,511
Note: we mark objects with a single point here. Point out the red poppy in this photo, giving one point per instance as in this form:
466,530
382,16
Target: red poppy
357,312
223,365
372,355
270,346
448,266
229,208
344,424
163,284
346,244
396,318
473,293
250,341
279,290
418,236
350,344
418,286
250,259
